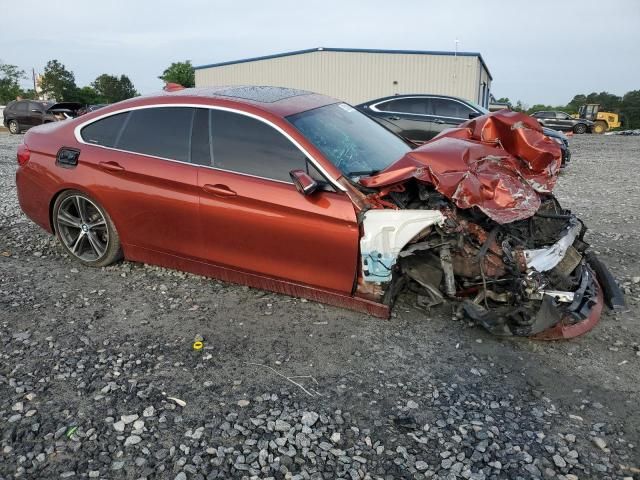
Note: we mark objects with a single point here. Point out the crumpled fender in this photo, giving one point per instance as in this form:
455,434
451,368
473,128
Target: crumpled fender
498,162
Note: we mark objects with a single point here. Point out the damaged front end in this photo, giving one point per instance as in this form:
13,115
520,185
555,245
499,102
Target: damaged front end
469,217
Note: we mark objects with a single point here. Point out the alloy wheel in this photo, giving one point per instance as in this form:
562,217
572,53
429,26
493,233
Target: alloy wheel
82,228
13,127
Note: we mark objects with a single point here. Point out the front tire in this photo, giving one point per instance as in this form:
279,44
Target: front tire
14,127
580,128
600,127
85,229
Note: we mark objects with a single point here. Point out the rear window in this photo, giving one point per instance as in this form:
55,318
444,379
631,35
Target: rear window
104,132
161,132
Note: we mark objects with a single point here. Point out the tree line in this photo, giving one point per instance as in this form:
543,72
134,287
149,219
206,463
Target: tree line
59,83
628,106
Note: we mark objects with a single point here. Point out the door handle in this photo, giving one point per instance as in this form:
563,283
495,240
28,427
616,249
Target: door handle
439,121
111,166
393,118
219,190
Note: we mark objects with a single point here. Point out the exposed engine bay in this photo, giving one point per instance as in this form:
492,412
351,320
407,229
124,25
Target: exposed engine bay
469,217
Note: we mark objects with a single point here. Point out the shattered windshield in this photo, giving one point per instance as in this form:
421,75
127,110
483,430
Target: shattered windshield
353,142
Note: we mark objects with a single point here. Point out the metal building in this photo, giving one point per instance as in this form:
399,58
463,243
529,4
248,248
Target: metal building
357,75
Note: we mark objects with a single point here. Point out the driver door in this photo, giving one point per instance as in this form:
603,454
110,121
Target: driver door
252,217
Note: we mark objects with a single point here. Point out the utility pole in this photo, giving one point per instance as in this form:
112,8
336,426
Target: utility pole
35,86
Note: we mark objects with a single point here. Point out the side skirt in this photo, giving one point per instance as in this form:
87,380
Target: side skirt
152,257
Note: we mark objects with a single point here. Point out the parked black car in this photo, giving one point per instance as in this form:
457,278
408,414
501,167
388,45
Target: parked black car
21,115
563,121
419,118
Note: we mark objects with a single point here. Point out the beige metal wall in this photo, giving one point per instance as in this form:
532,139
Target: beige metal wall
356,76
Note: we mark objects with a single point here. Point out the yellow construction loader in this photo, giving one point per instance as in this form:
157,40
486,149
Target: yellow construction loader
602,121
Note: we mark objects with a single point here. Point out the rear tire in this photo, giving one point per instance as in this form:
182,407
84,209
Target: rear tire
580,128
14,127
85,229
600,127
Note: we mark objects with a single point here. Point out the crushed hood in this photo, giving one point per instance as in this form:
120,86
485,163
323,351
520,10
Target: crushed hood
499,162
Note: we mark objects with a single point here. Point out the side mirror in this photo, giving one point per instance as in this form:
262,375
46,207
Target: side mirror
474,115
303,182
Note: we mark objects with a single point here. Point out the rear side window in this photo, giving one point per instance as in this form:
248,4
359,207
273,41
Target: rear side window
104,132
245,145
418,106
160,132
21,106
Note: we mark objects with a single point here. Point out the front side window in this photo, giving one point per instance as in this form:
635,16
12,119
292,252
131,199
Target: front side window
353,142
246,145
161,132
450,108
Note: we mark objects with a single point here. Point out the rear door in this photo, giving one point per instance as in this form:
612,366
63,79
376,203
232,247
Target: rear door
411,115
254,220
549,119
144,179
21,113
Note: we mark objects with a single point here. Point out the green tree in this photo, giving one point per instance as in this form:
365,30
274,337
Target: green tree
520,107
113,89
608,102
88,96
631,109
181,73
58,82
10,76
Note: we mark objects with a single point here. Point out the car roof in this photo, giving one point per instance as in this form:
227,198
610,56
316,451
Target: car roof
413,95
280,101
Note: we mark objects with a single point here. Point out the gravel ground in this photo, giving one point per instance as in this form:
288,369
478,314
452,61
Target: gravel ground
98,377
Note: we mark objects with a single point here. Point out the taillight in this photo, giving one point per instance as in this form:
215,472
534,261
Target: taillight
23,154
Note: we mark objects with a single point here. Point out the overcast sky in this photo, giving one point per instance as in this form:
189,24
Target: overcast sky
537,51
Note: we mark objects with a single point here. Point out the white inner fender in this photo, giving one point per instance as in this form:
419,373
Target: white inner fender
544,259
386,232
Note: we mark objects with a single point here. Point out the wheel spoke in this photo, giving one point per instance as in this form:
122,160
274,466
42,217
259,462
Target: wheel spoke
77,243
81,207
98,223
98,248
69,220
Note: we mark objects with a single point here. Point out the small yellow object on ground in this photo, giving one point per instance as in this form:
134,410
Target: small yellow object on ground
198,345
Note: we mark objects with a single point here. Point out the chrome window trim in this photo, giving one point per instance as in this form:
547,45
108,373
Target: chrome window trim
77,130
402,97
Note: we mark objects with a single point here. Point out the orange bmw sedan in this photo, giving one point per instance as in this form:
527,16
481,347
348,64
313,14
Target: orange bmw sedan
301,194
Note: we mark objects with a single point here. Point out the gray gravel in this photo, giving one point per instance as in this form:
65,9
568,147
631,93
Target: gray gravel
98,378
